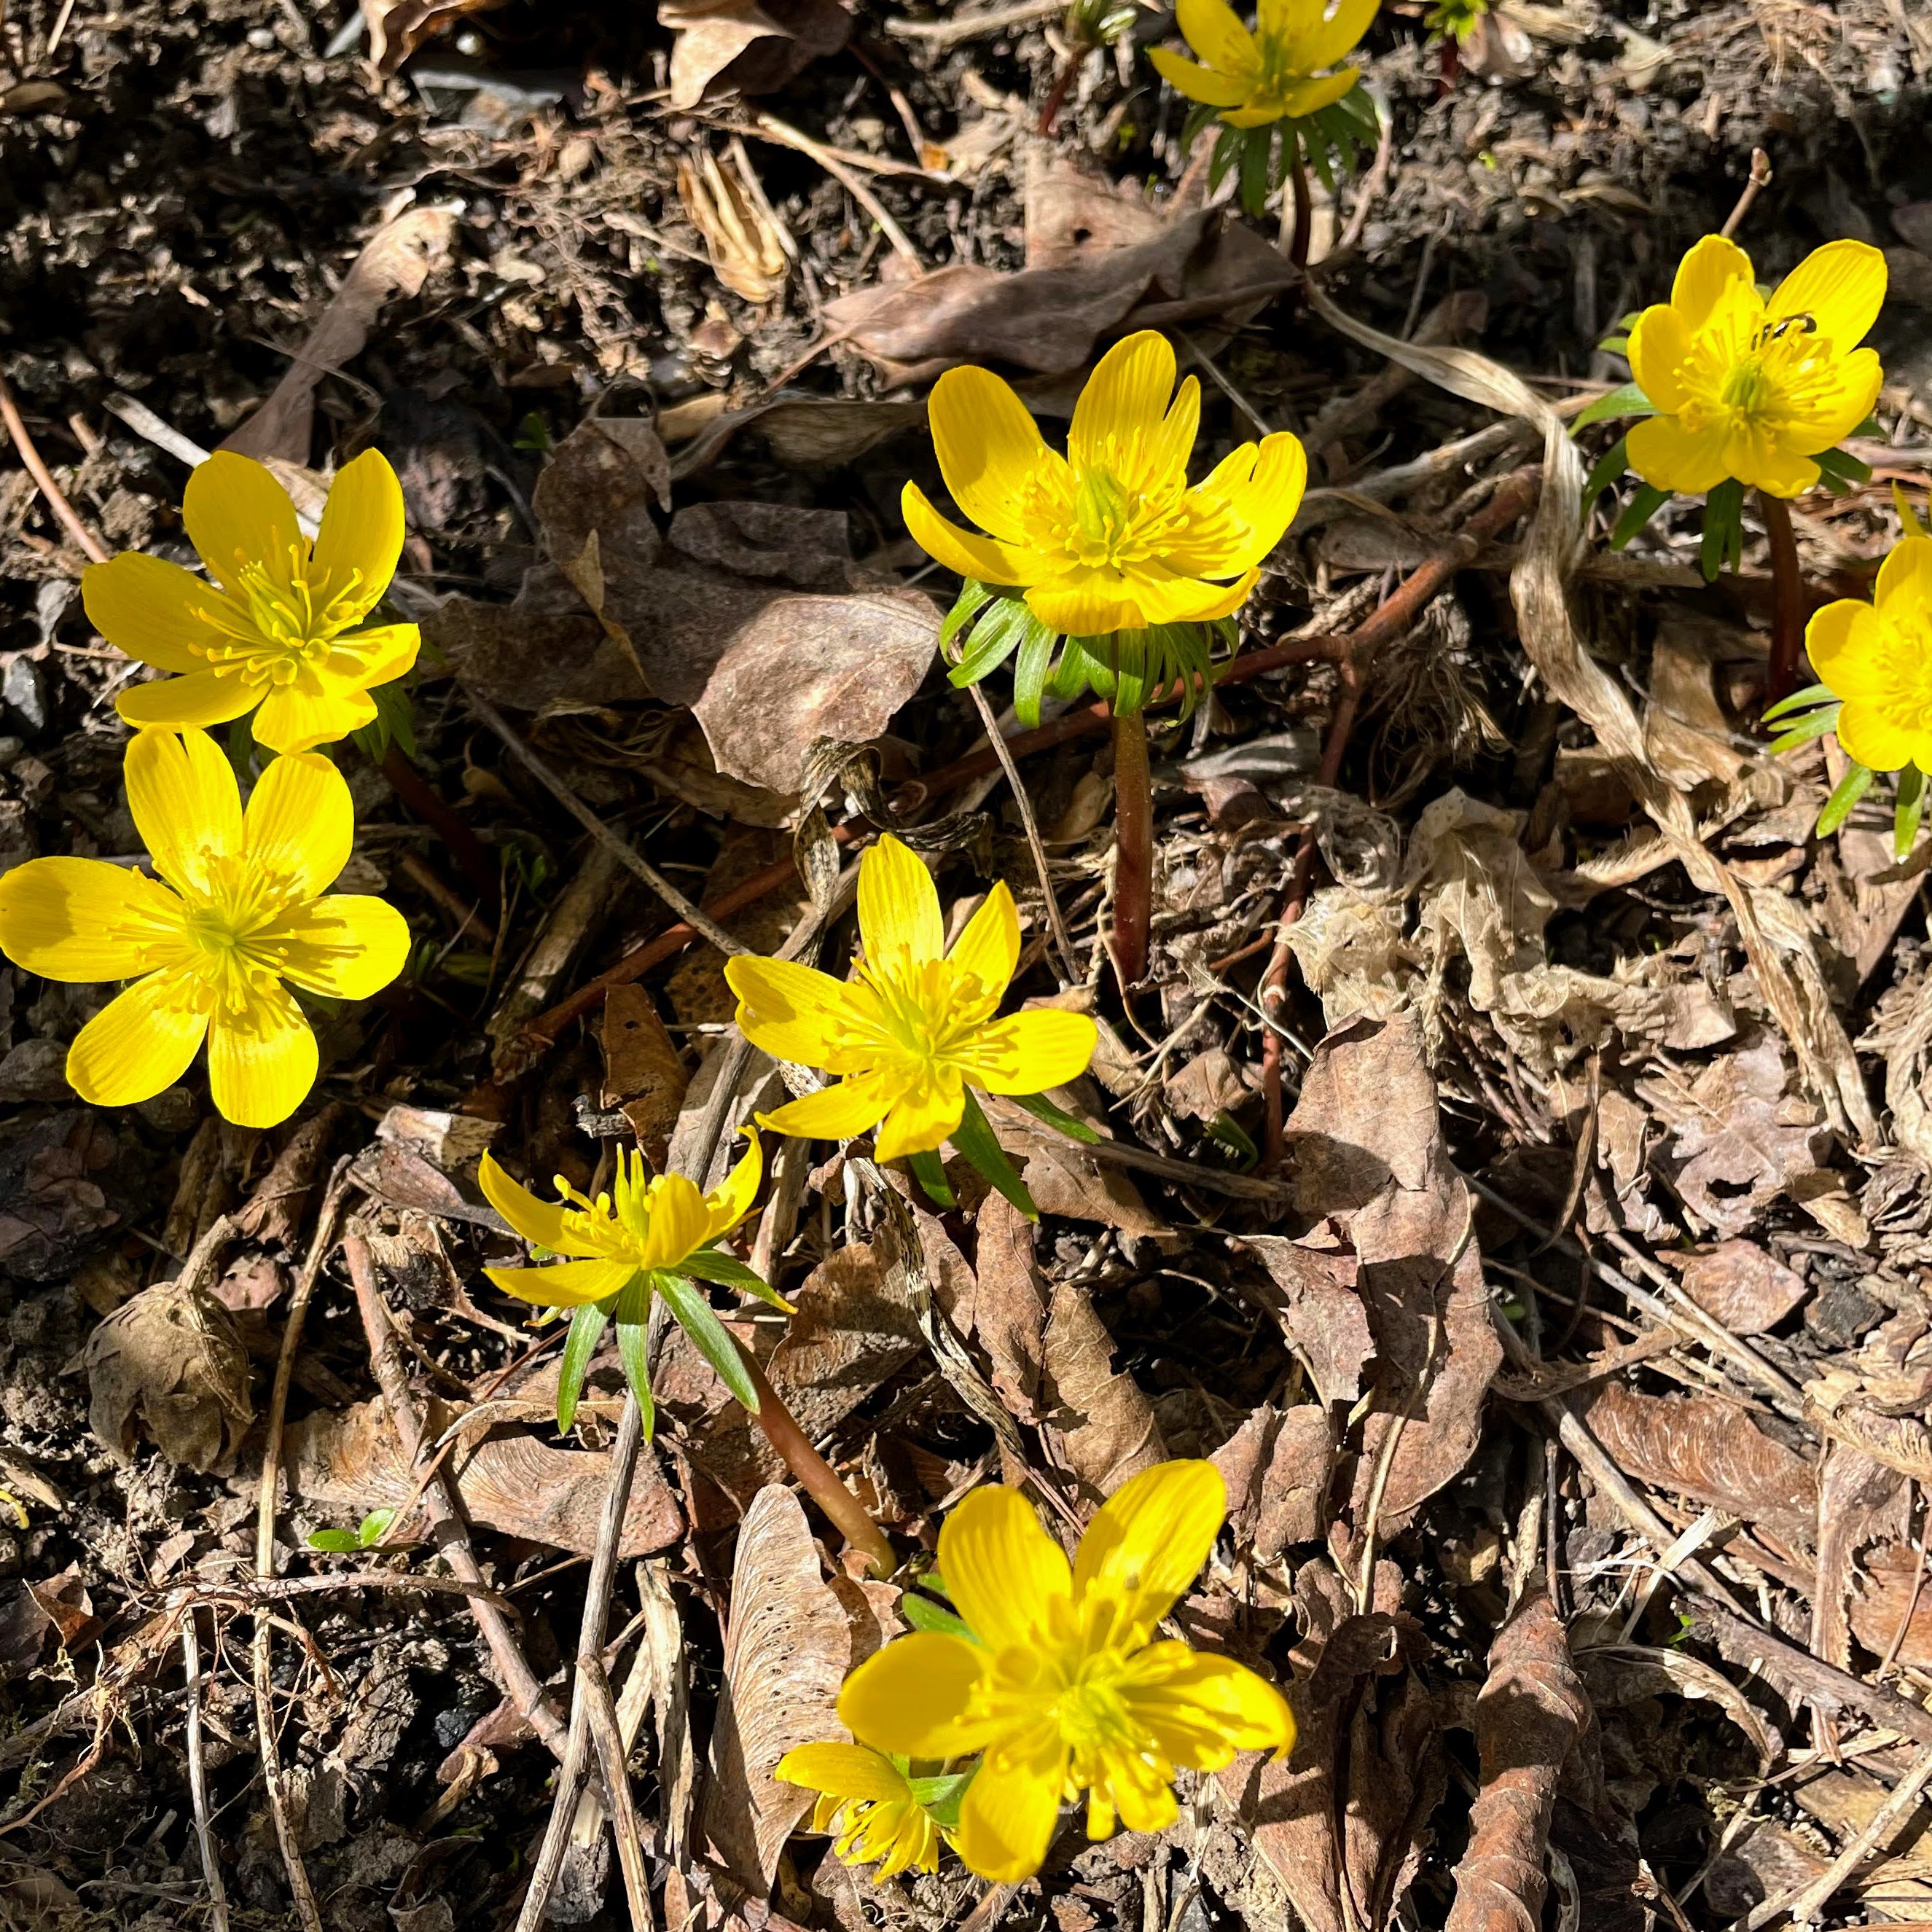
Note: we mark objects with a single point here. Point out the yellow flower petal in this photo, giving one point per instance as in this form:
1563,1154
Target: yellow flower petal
1261,486
1704,277
347,946
372,658
963,552
680,1222
987,445
150,608
899,919
908,1699
186,803
1841,287
1833,408
1905,576
187,704
1087,603
1761,459
1165,596
1028,1052
1842,641
925,1114
1002,1570
1007,1817
846,1771
838,1113
360,539
80,919
301,821
1339,35
989,948
564,1284
141,1041
1668,456
1868,732
1201,1710
1199,83
1260,116
1310,97
295,717
540,1222
261,1060
1214,30
1659,341
728,1204
1119,410
237,516
794,1012
1151,1536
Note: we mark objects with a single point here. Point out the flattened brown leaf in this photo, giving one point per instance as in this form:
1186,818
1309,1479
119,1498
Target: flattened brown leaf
350,1458
786,1651
1529,1715
755,48
172,1361
1700,1447
1103,1425
1321,1313
1062,1177
1007,1312
1892,1595
1747,1289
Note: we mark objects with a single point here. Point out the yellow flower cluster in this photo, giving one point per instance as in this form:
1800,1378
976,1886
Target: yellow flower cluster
239,910
1053,1680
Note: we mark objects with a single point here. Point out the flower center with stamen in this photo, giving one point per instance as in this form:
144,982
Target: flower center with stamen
273,625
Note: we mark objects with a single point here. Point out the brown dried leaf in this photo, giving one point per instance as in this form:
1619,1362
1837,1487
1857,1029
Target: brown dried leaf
173,1361
786,1653
1101,1423
747,254
350,1458
275,1211
397,259
1746,1288
1702,1447
396,27
755,48
1893,1592
1530,1714
1321,1313
1860,1500
1052,319
643,1072
1062,1177
1006,1312
1276,1467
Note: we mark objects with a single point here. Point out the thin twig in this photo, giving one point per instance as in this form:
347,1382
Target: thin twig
621,848
43,481
1759,181
769,127
613,1760
307,1909
816,1476
968,26
1063,945
448,1531
197,1778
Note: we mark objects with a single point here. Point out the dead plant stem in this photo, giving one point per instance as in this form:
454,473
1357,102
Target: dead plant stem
44,480
449,1530
1133,849
197,1777
1759,181
1057,925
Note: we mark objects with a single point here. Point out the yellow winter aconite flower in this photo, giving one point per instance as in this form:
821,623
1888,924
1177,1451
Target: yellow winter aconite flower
1749,388
1061,1683
276,628
865,1801
649,1224
241,907
1273,74
1876,659
916,1029
1108,537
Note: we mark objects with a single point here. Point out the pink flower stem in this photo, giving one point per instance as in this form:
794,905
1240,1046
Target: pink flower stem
1133,840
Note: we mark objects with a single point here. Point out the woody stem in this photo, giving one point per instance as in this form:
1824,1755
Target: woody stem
1303,206
1787,598
816,1476
1069,67
1133,841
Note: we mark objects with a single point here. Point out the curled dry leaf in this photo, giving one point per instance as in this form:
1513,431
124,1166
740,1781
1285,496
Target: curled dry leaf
396,27
1702,1447
1530,1714
277,1208
1748,1290
1860,1501
350,1459
644,1074
397,260
755,46
787,1650
1891,1607
723,204
1320,1311
1004,1310
173,1361
1276,1466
